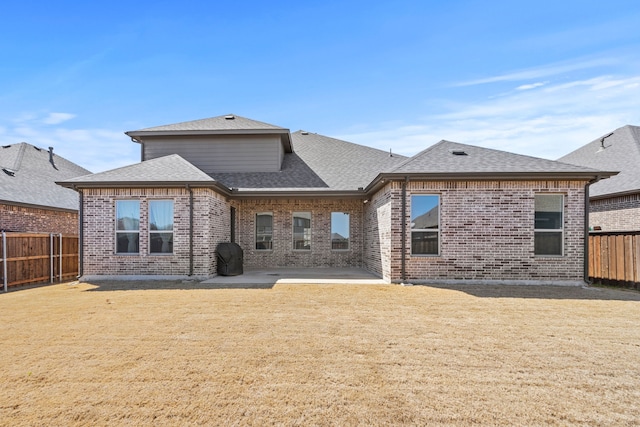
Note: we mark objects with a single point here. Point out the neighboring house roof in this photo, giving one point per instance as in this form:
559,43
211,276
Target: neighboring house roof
170,170
430,219
28,177
618,150
220,125
318,163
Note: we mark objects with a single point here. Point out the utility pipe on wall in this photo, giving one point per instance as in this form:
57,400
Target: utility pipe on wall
586,230
190,229
80,238
404,229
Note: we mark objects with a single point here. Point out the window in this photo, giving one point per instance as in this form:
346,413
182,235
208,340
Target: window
127,226
161,226
549,224
425,225
302,231
264,231
339,230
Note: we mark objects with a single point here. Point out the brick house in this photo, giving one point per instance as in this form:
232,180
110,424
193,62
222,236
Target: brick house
452,212
614,204
30,200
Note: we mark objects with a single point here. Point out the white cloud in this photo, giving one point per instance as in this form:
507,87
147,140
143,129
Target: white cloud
94,149
57,118
543,71
549,122
531,86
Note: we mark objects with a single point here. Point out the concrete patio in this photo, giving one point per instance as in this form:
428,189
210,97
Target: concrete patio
274,276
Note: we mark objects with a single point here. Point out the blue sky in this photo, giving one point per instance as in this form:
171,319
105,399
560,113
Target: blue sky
539,78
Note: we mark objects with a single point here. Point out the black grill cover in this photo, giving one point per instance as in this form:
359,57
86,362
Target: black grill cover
229,256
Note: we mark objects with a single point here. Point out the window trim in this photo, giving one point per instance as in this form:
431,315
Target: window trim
116,231
255,234
293,232
150,232
549,230
437,232
348,248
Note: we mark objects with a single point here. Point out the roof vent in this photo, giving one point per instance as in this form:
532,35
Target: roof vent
6,146
602,146
53,163
8,172
37,149
229,117
304,132
458,152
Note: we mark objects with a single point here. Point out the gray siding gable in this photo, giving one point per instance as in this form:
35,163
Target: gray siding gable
221,153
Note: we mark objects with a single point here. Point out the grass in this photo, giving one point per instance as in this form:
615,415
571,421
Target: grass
165,354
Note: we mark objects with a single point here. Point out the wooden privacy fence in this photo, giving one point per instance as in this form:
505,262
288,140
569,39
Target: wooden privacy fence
37,258
614,258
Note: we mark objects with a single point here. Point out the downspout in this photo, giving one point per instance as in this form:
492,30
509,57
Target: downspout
190,229
80,236
403,234
585,276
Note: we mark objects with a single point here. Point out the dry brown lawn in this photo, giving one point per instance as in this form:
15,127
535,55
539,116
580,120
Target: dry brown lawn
183,354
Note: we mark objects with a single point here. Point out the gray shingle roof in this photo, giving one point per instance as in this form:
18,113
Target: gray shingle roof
621,153
167,169
318,163
440,159
34,177
226,122
220,125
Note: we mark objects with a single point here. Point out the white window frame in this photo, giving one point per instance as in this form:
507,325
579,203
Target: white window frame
117,232
307,233
256,241
428,230
550,230
150,232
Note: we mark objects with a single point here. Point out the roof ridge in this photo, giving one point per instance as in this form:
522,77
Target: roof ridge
18,162
304,133
266,126
415,156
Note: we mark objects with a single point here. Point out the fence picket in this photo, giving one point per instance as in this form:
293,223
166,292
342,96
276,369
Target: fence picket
30,259
615,258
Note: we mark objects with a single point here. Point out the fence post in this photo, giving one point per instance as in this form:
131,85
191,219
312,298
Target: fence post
4,259
50,257
60,254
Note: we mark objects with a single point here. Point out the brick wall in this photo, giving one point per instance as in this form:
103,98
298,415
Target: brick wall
377,236
616,213
211,225
282,254
486,232
36,220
